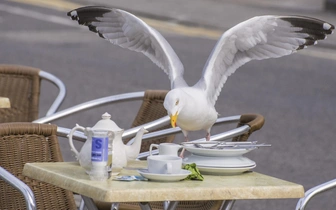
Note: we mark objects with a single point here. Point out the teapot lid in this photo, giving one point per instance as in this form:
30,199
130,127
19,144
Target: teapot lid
106,123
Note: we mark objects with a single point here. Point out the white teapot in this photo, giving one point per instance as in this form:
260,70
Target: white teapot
119,151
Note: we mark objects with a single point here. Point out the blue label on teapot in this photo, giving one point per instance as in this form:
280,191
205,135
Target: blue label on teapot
99,152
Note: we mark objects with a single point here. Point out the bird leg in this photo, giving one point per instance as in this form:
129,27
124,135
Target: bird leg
207,137
186,139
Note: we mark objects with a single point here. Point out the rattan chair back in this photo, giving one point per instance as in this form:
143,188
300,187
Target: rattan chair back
21,85
22,143
152,109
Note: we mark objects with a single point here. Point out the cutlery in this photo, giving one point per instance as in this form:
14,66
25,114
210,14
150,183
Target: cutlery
220,142
222,145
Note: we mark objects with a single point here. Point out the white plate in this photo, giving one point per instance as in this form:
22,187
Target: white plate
219,162
164,177
224,171
218,152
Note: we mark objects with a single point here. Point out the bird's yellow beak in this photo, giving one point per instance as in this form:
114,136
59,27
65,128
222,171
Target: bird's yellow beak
173,119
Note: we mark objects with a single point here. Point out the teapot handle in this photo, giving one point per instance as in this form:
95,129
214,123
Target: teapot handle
77,127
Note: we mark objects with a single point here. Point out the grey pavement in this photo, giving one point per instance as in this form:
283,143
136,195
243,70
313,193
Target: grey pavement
295,93
221,14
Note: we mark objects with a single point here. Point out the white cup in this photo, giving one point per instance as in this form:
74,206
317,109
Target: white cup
166,148
164,164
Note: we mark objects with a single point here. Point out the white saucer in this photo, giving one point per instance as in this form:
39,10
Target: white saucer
219,162
218,152
224,171
164,177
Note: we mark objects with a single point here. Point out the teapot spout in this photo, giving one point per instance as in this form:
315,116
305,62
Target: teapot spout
132,151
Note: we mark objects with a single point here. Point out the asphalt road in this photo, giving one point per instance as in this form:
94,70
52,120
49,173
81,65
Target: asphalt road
295,94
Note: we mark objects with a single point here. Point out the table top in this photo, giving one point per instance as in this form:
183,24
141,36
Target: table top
4,102
252,185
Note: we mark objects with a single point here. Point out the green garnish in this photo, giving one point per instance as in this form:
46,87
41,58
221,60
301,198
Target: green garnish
195,174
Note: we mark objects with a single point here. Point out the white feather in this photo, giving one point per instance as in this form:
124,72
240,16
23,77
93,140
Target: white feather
255,39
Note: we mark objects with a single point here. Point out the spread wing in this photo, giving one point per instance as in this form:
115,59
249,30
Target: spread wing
256,39
127,31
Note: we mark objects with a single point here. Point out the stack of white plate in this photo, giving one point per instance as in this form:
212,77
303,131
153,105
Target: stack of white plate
228,161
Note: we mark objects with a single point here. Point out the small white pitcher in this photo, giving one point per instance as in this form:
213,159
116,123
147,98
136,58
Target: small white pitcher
165,148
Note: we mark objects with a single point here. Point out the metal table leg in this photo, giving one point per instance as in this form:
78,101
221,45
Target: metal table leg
227,205
115,206
167,205
170,205
89,203
145,206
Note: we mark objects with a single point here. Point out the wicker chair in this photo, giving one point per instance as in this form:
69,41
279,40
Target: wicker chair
21,84
30,142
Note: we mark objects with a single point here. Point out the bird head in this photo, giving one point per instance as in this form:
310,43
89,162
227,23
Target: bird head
173,103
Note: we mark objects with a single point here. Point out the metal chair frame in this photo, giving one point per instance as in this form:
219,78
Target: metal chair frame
52,115
132,131
309,194
20,186
61,91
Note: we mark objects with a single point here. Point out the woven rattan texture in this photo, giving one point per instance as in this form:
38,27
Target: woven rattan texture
152,109
21,143
22,86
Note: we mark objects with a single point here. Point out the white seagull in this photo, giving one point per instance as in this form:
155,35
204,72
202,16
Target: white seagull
193,107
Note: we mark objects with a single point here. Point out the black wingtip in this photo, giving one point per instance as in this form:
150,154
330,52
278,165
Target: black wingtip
310,23
88,15
73,15
313,28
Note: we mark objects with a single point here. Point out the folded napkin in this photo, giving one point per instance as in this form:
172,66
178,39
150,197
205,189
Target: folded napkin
195,173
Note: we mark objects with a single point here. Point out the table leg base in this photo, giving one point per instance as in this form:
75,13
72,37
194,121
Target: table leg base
145,206
227,204
89,203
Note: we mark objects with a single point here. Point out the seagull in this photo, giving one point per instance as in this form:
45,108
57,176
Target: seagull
192,108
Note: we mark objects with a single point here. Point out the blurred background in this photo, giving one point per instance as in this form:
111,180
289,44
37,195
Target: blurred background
296,94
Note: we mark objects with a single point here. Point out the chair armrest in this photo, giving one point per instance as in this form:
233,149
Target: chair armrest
254,121
89,104
129,133
20,186
302,203
61,88
79,136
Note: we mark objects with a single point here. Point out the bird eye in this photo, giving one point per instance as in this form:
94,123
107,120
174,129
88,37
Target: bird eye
177,102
